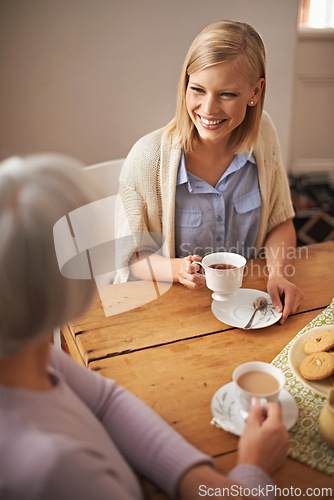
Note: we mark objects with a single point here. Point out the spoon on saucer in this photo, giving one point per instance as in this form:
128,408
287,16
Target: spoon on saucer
259,303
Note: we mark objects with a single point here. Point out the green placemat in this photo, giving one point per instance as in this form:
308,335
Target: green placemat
306,443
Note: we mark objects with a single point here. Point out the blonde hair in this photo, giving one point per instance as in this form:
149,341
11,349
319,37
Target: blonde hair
35,192
220,42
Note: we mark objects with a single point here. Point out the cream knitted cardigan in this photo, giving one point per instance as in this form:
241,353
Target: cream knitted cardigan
146,203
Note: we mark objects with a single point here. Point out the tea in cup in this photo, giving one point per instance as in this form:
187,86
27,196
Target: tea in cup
259,379
223,273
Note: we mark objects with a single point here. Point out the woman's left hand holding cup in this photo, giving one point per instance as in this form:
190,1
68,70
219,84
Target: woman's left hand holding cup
265,440
189,272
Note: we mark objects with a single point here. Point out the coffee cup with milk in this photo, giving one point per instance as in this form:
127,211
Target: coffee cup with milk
258,379
223,273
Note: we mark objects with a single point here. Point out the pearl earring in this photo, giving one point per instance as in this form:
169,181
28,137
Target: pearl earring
251,103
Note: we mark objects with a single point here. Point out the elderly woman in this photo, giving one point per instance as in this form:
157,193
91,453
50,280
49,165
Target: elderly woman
66,432
213,179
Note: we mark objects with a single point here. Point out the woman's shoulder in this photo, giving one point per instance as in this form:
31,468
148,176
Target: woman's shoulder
145,156
149,144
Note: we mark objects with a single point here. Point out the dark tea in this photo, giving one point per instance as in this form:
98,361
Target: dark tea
222,266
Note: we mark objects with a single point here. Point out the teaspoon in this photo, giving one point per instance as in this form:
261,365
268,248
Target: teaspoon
259,303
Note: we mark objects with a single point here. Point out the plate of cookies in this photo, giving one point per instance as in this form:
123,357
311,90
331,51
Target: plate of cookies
311,358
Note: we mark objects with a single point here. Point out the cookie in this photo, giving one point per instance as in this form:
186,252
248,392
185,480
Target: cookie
317,366
320,342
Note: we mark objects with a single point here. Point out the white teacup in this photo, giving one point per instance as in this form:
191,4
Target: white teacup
259,379
223,282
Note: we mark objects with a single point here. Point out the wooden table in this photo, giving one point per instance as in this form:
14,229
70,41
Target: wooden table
174,354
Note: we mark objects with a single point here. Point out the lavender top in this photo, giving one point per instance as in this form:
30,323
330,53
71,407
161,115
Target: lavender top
88,438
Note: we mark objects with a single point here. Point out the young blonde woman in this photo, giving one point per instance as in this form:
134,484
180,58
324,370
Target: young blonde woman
65,431
212,179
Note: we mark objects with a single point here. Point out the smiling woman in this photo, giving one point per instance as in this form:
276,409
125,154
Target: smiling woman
213,177
240,46
216,100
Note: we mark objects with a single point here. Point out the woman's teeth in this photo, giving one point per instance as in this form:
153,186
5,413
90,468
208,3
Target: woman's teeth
210,122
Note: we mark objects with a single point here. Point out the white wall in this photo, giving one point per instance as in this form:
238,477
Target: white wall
88,78
313,104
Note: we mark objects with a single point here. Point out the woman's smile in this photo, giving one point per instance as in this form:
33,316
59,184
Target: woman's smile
210,123
217,98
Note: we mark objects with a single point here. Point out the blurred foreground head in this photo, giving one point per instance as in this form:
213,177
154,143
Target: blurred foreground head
35,192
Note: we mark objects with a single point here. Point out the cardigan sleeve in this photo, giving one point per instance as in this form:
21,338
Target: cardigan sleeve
255,479
276,203
280,197
138,208
132,234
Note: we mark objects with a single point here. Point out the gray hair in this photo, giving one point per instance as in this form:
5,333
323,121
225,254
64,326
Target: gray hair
35,192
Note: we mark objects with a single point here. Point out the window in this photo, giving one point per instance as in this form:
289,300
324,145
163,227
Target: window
316,13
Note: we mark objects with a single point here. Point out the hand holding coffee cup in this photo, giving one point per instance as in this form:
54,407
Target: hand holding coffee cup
259,379
223,273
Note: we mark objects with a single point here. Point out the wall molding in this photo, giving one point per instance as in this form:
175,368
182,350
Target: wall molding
316,80
308,33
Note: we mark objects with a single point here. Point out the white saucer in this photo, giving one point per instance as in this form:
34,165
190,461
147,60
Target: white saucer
226,411
238,309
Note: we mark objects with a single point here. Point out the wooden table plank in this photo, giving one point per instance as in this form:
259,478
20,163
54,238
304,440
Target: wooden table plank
69,344
178,380
157,322
182,313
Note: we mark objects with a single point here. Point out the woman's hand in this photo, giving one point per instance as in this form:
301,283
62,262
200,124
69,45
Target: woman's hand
286,297
264,443
265,440
189,272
